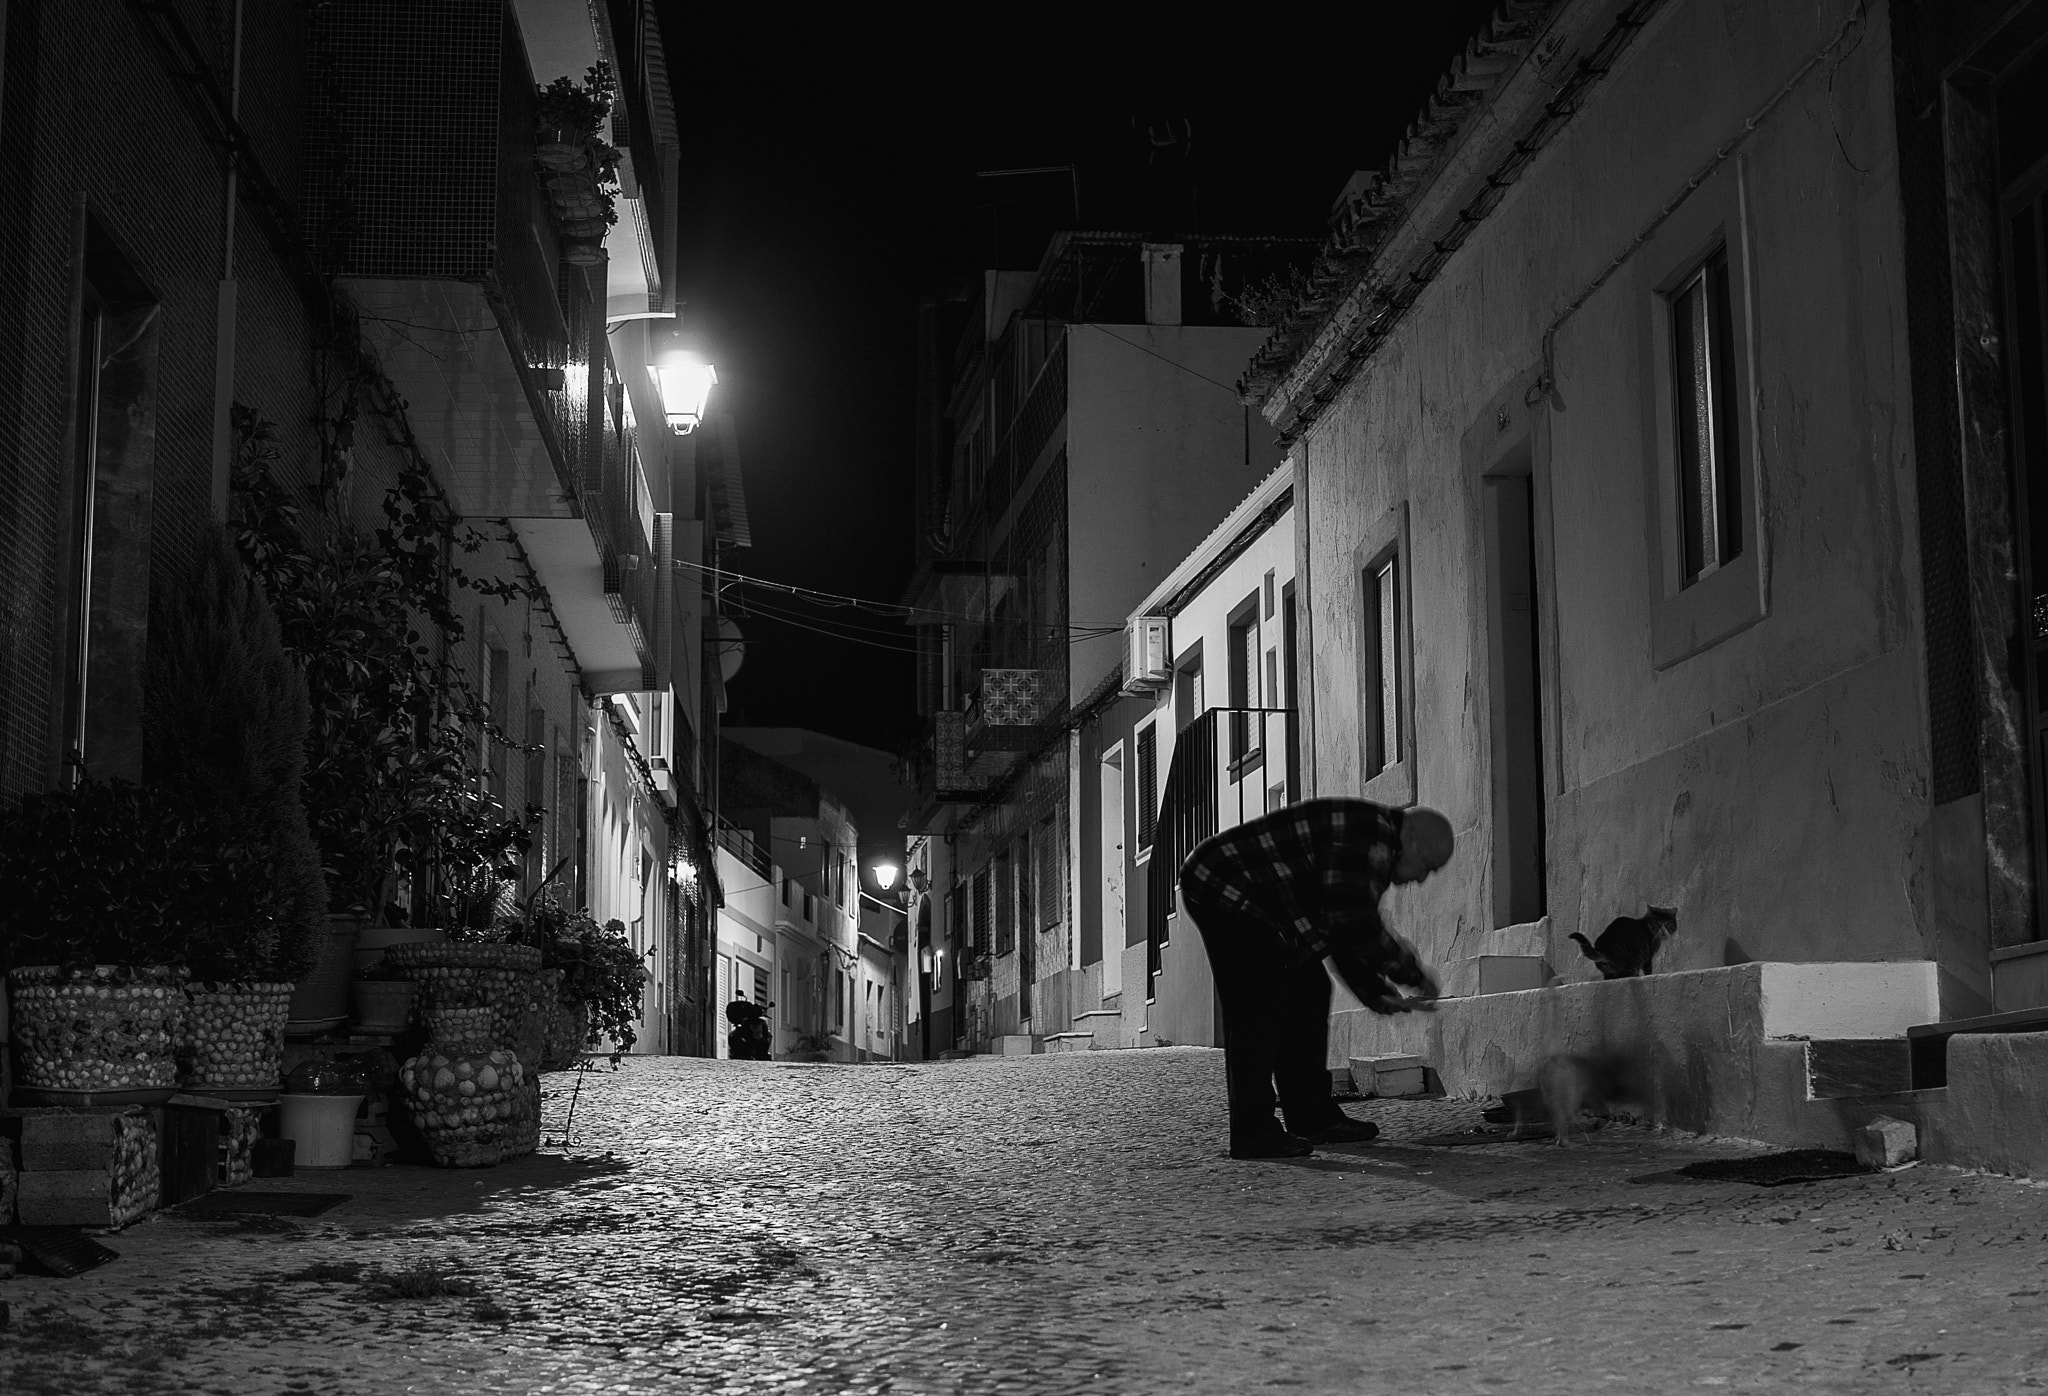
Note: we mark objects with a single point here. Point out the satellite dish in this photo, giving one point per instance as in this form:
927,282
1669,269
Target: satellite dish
732,648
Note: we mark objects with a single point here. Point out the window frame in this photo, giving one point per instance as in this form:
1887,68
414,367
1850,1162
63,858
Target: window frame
1386,540
1144,826
1688,617
1242,642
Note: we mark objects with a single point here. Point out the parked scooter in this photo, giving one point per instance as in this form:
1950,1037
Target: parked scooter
751,1039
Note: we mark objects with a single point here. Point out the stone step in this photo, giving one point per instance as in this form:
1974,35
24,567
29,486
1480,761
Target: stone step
1726,1049
1930,1040
1014,1045
1844,1068
1070,1042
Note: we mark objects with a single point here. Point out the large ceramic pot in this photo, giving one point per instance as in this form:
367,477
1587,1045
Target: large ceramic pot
463,1091
320,1000
234,1038
97,1036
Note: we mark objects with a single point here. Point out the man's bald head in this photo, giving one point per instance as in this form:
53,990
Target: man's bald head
1426,844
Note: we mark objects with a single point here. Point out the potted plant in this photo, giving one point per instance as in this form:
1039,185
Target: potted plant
569,118
603,976
107,892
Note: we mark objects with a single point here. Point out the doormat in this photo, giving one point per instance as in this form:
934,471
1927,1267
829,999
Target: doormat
1776,1170
266,1204
62,1251
1522,1134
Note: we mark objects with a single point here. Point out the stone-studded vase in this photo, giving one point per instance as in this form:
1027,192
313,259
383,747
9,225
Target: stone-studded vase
522,1025
234,1036
568,1032
111,1028
463,1092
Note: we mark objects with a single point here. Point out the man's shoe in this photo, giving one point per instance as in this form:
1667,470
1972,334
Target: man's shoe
1343,1130
1275,1145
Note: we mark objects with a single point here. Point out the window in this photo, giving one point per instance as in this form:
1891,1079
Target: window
535,792
565,811
979,931
1004,903
838,999
1031,850
810,906
1244,680
107,519
1147,785
1383,659
1708,570
1703,390
785,889
497,667
1051,866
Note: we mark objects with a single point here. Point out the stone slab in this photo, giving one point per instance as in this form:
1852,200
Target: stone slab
60,1138
1015,1045
73,1197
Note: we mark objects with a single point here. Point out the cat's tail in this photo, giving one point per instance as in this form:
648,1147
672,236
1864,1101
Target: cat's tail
1584,944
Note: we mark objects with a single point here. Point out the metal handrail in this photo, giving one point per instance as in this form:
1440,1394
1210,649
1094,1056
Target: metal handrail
1192,805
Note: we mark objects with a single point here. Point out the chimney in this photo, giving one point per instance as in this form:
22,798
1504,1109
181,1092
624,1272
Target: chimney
1162,283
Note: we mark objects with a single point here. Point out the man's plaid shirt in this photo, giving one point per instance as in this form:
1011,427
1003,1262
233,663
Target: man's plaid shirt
1311,873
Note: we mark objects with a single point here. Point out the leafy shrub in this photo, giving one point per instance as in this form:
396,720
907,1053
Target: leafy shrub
117,873
599,966
225,727
391,751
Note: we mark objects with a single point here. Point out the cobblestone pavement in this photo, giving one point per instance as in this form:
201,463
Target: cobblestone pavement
1052,1224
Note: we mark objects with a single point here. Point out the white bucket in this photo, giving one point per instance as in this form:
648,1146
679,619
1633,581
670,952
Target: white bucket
323,1127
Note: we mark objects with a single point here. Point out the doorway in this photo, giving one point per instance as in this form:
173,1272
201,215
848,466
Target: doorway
2019,970
1520,894
1113,915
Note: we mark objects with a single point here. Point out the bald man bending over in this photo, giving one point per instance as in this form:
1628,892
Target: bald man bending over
1273,898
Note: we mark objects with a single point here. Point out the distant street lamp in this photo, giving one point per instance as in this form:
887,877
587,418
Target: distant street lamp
684,381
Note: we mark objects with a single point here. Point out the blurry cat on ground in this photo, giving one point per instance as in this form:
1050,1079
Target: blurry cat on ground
1628,946
1575,1083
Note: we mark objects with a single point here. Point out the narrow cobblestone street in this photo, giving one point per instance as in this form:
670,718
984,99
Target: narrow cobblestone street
1051,1224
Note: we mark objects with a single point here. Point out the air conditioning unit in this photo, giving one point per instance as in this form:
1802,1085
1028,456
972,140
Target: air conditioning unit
1148,654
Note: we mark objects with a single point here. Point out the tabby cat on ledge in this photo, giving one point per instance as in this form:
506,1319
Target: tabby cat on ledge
1630,943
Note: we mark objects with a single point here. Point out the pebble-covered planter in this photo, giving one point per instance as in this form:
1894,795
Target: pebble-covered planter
135,1175
234,1034
463,1092
460,974
239,1131
110,1028
568,1033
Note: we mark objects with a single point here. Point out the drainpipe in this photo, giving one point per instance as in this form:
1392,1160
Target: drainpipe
224,305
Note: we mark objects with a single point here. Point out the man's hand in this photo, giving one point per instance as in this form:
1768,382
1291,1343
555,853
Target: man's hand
1378,984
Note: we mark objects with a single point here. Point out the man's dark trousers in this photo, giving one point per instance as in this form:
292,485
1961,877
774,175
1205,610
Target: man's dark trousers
1276,1025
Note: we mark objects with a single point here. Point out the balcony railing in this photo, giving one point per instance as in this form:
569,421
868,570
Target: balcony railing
740,844
1218,778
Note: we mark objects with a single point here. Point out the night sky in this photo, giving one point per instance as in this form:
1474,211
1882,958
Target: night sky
823,194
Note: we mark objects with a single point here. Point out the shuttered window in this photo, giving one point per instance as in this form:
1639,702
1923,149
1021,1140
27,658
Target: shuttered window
1148,786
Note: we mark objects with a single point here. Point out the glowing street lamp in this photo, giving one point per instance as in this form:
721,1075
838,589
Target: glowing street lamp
684,381
885,875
